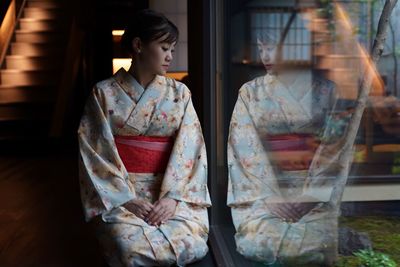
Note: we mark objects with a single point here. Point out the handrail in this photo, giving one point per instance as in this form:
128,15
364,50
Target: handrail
4,49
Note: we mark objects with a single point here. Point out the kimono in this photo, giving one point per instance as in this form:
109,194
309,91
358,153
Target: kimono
118,111
268,118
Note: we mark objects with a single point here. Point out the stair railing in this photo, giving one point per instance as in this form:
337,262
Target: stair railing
8,25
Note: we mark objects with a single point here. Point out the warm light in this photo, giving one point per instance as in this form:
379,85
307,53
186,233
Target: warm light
377,82
121,63
118,32
126,63
344,45
176,75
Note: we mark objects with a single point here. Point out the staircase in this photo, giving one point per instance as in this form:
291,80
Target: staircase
31,71
341,58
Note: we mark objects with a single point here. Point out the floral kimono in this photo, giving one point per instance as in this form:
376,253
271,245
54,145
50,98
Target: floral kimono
118,163
271,124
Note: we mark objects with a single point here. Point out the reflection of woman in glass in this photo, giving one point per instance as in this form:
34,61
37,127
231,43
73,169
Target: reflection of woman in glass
279,185
143,166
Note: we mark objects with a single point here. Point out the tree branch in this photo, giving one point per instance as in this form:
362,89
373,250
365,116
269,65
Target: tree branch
345,157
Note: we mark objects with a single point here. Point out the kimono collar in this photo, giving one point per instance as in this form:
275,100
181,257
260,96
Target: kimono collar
131,86
301,85
269,79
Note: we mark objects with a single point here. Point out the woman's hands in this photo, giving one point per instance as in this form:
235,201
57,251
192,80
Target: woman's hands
163,210
154,214
283,209
290,211
141,208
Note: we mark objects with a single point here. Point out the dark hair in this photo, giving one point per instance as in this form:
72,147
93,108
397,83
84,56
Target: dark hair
149,25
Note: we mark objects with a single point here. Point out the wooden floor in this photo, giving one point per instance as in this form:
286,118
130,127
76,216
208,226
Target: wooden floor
41,219
41,222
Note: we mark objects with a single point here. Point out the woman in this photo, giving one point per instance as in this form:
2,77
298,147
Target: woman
143,165
281,155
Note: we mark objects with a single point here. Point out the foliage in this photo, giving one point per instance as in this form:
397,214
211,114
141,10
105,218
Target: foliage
384,232
370,258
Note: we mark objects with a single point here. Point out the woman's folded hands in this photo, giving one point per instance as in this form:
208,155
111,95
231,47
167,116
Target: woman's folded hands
154,214
290,211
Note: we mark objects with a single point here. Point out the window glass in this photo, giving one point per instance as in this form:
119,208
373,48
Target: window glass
303,171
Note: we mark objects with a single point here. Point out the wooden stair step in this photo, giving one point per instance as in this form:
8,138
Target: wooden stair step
28,77
32,49
319,20
340,56
44,1
319,25
343,70
322,36
26,94
35,12
22,62
39,37
323,48
346,84
34,24
330,61
319,31
55,1
45,4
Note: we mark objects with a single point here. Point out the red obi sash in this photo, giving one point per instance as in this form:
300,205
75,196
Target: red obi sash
292,151
144,154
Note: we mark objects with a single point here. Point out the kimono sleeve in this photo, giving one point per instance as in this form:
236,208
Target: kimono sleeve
185,178
102,174
323,173
251,175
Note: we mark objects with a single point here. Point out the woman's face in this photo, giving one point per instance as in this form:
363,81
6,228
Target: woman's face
267,54
156,56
